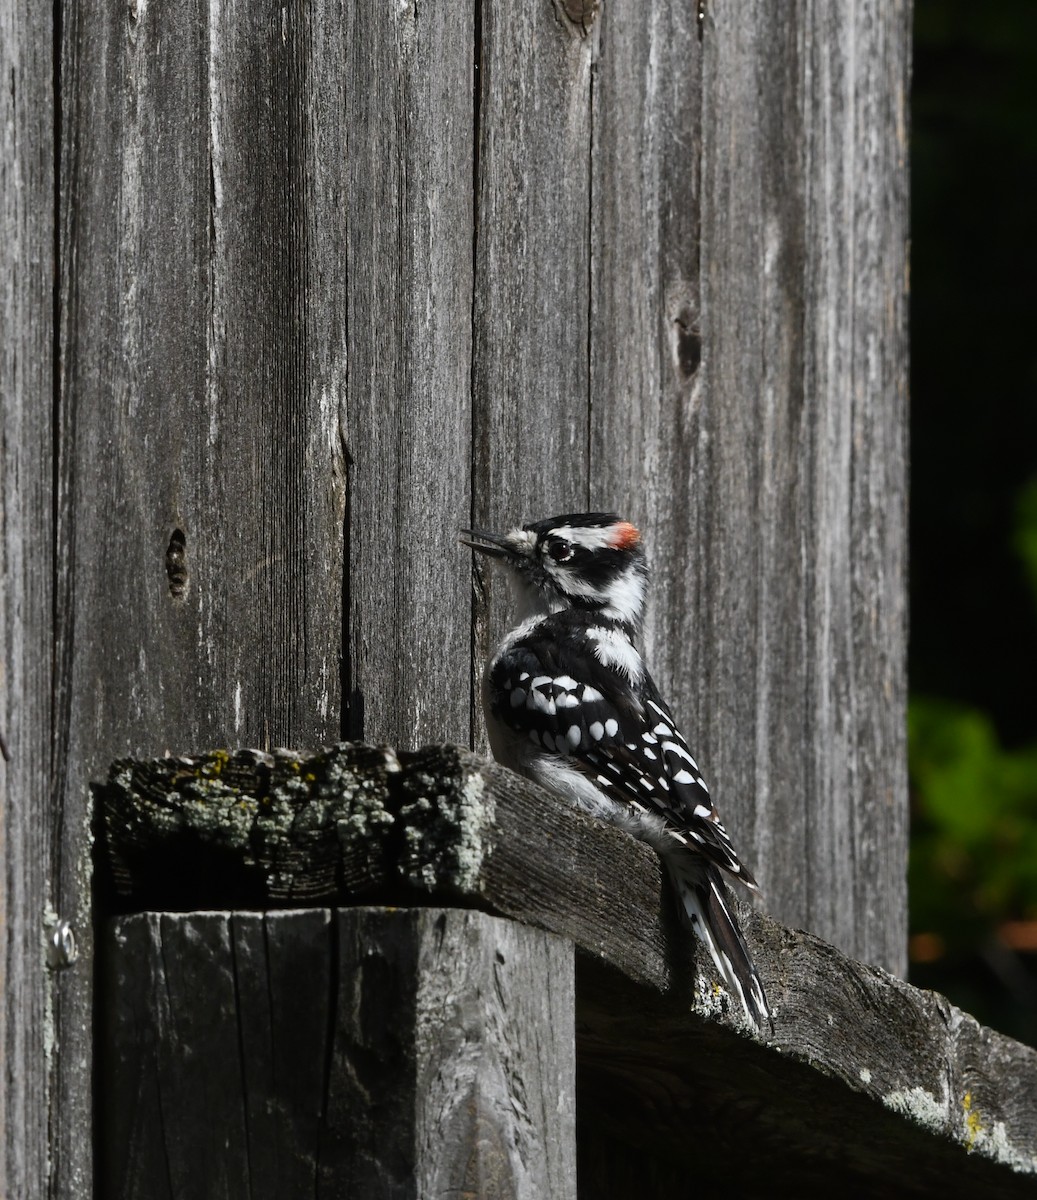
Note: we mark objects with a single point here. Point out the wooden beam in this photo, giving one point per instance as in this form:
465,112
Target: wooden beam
384,1053
397,138
748,408
866,1077
800,702
530,305
27,549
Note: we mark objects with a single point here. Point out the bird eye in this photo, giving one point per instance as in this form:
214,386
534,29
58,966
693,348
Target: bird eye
560,551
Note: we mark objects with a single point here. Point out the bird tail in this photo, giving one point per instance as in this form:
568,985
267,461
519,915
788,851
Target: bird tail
705,904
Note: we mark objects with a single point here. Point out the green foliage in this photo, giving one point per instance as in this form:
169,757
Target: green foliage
974,837
974,842
974,848
973,655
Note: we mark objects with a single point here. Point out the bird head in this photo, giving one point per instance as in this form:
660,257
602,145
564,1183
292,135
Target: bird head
587,561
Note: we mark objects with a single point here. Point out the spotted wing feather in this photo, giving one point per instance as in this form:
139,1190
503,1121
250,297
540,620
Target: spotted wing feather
531,693
624,739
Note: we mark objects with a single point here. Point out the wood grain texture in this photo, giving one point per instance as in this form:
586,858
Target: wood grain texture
27,218
531,305
867,1082
646,434
334,280
203,477
215,1055
430,1052
406,125
747,406
801,688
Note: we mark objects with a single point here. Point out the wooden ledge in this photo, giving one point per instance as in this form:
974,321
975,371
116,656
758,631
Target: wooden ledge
867,1082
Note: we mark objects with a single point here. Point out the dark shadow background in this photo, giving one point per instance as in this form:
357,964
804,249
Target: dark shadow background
973,645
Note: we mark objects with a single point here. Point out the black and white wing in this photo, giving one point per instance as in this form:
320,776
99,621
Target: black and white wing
613,746
620,737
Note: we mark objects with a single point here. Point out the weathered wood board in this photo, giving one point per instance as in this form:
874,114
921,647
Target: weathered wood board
404,138
803,546
394,1054
27,547
748,407
335,279
866,1080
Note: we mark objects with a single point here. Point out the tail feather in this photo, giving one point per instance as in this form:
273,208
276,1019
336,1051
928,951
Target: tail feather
704,902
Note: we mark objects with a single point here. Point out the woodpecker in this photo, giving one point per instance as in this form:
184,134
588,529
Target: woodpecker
570,704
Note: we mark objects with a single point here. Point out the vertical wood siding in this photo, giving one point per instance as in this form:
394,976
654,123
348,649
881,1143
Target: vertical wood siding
336,279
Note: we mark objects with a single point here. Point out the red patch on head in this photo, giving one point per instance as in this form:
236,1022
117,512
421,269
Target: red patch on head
624,536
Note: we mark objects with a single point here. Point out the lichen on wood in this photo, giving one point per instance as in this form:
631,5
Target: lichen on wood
246,828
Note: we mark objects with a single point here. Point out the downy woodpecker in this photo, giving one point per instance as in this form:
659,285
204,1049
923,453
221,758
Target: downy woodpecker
569,703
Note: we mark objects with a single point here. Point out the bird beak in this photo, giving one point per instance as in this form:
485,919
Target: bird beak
492,544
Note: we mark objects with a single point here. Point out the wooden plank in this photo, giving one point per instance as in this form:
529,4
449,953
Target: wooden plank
173,1064
865,1080
195,414
274,317
647,436
201,479
800,708
406,121
262,829
27,219
215,1053
782,1125
431,1052
880,39
531,309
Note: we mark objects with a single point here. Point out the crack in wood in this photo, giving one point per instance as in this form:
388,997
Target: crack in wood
176,565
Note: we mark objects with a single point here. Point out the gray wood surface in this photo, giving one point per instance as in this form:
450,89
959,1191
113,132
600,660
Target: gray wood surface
804,261
867,1084
430,1052
748,382
26,584
531,304
404,134
334,281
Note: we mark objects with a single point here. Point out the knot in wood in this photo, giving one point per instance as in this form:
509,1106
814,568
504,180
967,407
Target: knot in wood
582,13
176,564
687,344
